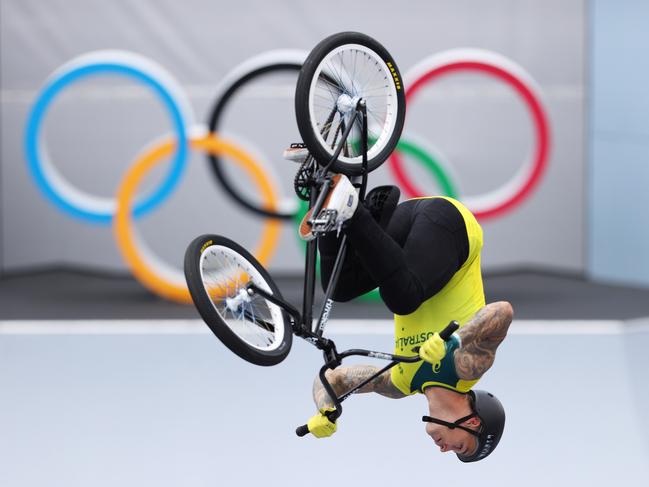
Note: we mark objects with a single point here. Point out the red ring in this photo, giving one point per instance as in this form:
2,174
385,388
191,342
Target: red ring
540,122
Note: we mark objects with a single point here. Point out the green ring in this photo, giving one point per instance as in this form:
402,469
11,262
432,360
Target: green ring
446,185
407,147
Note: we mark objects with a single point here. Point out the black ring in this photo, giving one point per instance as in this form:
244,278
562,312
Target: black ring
213,124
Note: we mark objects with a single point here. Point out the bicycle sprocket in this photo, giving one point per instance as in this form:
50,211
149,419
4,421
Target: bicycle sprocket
304,178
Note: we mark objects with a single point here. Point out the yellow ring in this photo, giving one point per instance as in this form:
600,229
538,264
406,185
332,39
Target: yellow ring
151,274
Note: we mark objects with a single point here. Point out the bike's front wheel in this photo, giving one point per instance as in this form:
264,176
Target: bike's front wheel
218,272
340,71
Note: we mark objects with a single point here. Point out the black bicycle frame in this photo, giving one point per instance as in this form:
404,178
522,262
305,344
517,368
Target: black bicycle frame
303,325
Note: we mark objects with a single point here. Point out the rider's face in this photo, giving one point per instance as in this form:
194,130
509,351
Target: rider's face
455,440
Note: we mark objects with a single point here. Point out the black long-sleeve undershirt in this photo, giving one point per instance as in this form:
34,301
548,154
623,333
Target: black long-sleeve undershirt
424,244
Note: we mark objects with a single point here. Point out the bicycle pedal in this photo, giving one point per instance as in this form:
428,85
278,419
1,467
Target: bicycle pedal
324,222
297,152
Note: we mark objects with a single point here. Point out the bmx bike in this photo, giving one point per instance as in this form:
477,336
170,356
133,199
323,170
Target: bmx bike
350,110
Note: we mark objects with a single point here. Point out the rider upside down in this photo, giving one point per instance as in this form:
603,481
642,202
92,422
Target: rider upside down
424,256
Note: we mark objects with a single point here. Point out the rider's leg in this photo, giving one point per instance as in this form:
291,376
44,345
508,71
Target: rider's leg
354,281
424,245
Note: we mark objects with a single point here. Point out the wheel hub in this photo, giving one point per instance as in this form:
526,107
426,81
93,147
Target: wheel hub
346,103
234,303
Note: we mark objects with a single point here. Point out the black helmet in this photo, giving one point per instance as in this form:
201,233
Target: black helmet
488,408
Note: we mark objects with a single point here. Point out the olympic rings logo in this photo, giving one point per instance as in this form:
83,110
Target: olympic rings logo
168,282
152,272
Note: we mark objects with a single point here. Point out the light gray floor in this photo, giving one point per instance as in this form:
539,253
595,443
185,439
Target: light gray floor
181,410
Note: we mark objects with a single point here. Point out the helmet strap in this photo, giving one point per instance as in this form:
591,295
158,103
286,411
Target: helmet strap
456,424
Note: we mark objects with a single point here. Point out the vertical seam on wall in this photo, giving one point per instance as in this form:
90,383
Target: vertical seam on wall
2,206
588,134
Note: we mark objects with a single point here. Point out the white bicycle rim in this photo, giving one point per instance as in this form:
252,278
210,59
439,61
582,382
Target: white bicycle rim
359,73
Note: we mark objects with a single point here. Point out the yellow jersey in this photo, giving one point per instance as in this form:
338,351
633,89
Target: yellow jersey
458,300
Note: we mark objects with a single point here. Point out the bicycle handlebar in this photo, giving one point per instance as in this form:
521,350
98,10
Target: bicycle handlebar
451,328
445,334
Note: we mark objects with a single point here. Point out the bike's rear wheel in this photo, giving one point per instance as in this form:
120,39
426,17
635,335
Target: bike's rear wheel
341,70
218,272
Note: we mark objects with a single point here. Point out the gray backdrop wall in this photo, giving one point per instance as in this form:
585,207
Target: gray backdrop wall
96,127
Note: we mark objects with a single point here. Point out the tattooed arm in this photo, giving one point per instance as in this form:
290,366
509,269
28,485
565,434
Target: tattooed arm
480,339
343,379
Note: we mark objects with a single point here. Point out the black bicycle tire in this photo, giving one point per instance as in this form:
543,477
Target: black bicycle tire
216,164
302,115
213,320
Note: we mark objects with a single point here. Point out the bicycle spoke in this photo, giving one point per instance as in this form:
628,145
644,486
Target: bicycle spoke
328,85
356,68
225,279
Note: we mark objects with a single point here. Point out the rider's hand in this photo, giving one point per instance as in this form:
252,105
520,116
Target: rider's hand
433,350
320,426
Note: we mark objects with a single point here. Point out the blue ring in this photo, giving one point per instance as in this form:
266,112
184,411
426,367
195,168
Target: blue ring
33,133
